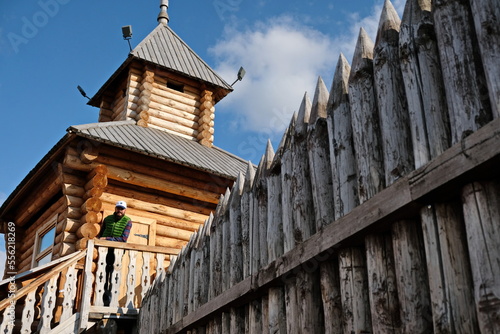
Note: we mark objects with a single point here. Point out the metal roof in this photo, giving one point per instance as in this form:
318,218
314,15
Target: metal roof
163,145
165,48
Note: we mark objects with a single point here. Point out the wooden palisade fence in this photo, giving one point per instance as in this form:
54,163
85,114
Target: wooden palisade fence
379,211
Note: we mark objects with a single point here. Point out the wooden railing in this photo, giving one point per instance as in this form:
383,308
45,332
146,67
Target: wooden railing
47,297
118,276
108,278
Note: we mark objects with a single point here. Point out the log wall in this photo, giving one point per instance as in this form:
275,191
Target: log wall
410,170
147,98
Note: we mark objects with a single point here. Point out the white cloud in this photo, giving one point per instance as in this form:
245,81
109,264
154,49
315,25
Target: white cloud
283,60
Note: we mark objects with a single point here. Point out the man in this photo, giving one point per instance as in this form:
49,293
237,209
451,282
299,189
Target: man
116,227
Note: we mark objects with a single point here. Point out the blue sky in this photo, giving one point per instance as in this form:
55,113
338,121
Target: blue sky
49,47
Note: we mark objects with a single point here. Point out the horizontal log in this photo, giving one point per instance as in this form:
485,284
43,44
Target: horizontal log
67,248
156,208
71,225
91,217
160,219
163,113
146,181
65,237
177,100
88,231
99,181
188,111
81,243
73,190
172,126
170,232
91,204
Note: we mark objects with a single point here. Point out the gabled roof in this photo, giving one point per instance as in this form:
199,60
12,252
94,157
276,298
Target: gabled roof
164,48
163,145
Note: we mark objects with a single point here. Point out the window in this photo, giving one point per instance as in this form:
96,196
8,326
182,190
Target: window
44,241
175,86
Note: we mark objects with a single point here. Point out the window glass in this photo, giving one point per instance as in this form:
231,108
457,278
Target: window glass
45,259
47,239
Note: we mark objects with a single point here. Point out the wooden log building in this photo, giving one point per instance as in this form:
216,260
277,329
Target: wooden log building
379,212
153,148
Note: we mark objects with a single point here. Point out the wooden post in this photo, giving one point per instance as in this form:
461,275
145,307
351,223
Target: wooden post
391,99
384,302
411,277
365,120
274,212
342,158
245,219
481,206
486,14
236,266
354,291
319,158
450,282
302,202
423,82
286,187
466,91
331,296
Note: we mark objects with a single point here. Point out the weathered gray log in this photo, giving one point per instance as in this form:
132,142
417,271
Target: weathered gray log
391,99
237,324
384,302
236,266
411,277
342,159
330,295
303,207
292,306
486,14
274,213
365,120
205,262
277,312
466,91
423,82
309,299
254,223
481,206
354,291
245,219
262,204
450,282
255,316
226,260
319,158
286,187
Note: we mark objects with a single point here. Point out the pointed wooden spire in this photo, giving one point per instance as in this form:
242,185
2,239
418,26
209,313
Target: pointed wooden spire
269,155
423,82
249,177
342,156
363,55
365,120
391,98
303,115
340,85
319,103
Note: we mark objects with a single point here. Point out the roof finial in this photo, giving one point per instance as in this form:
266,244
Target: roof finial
163,16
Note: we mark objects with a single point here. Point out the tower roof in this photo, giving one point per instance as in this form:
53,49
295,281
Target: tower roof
164,48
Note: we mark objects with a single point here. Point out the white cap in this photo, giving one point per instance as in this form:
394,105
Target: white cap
121,204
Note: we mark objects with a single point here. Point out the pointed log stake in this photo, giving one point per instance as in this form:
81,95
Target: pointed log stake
286,187
391,99
466,91
236,268
274,214
365,120
245,219
486,15
319,158
481,207
423,82
303,207
342,158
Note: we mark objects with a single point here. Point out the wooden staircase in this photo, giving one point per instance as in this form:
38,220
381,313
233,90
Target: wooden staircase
108,280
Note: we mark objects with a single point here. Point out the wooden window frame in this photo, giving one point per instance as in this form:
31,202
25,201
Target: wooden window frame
40,233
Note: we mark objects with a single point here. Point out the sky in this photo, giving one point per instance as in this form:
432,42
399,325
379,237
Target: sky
49,47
